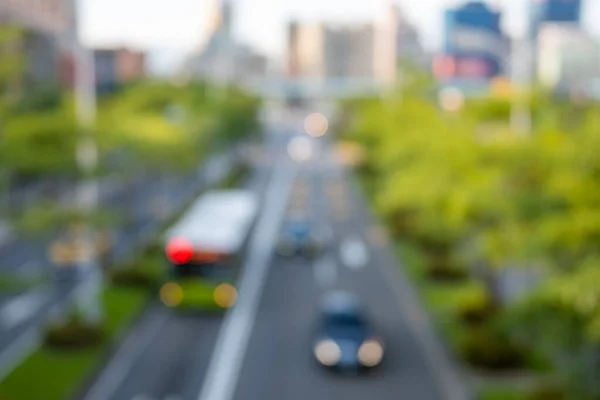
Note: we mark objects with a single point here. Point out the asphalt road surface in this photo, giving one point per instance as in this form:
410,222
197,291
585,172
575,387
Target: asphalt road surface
278,362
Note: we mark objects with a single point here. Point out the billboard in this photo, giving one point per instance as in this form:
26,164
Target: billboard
474,47
464,66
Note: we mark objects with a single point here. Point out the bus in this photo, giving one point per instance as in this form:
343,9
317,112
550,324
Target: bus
204,250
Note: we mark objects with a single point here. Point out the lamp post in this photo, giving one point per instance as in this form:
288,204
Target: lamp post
520,111
88,296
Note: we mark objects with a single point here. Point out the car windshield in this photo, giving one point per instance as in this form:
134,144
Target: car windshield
345,326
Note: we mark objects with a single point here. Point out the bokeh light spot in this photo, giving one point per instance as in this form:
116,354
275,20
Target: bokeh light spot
300,149
171,294
225,295
316,125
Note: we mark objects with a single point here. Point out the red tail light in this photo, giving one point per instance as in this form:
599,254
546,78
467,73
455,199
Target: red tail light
180,251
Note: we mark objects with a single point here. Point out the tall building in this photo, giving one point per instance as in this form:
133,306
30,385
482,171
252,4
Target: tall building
50,16
321,51
50,27
115,66
130,64
221,58
474,47
408,42
569,59
544,11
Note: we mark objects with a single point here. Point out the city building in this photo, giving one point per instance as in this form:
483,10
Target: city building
114,67
320,51
130,65
221,58
105,61
49,16
474,47
408,42
569,58
544,11
49,27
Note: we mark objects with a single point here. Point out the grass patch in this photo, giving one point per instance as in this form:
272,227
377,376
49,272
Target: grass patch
55,375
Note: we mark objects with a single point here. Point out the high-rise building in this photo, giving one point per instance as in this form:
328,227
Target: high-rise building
221,58
321,51
50,16
115,66
569,59
544,11
408,42
474,47
50,27
131,65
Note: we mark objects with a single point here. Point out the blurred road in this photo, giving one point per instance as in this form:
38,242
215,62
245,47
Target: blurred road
262,349
279,363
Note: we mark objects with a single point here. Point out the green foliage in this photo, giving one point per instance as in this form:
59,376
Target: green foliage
470,191
487,348
39,143
171,126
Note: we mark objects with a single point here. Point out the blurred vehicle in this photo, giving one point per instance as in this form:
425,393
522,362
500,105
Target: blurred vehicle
298,238
205,247
344,339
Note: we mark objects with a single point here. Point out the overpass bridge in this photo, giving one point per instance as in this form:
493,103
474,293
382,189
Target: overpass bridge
314,89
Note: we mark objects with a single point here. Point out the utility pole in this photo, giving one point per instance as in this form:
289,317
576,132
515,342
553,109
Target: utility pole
86,155
522,65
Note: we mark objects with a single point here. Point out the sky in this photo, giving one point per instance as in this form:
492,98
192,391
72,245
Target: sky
175,26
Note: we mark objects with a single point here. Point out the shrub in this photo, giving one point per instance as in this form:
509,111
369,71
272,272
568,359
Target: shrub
484,347
441,267
133,276
475,311
74,334
548,391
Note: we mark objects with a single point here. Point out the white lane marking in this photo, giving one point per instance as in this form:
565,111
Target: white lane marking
354,253
325,271
129,352
221,379
22,308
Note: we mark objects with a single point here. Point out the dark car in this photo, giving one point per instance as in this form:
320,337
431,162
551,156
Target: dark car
344,339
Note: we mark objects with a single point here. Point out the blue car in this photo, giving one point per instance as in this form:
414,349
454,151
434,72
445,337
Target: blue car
344,340
298,239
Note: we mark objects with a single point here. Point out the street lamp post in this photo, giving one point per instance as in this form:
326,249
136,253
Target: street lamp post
520,112
87,163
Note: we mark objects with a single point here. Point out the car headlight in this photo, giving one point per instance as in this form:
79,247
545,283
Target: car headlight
328,352
370,353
